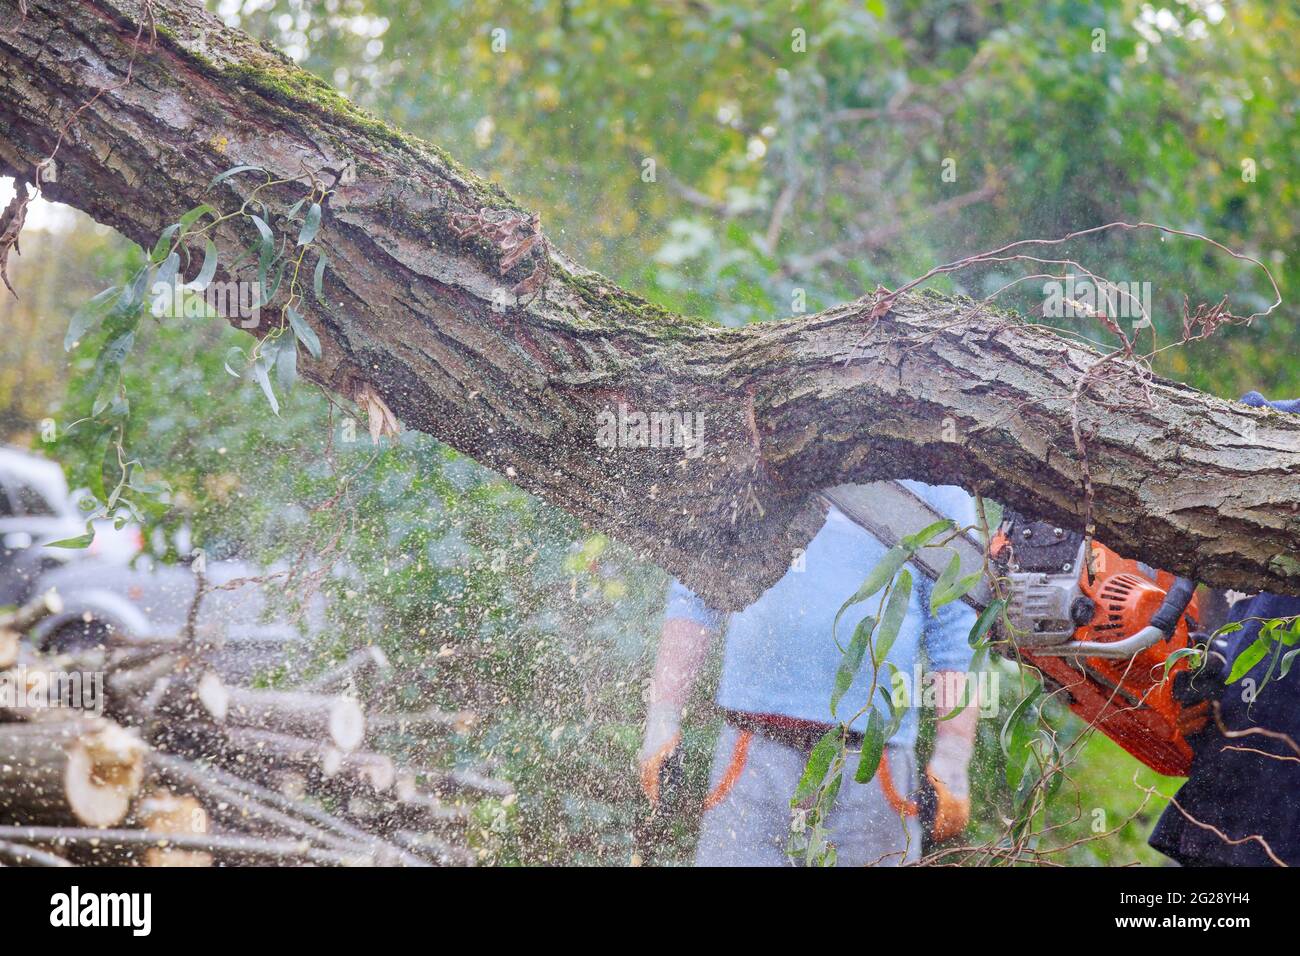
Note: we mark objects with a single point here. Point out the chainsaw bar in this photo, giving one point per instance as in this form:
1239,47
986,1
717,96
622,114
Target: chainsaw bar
891,511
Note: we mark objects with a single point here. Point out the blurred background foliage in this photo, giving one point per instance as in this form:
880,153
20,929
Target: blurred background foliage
798,152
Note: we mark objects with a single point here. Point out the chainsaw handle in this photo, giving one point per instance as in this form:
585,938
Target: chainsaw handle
1147,637
1162,626
1175,603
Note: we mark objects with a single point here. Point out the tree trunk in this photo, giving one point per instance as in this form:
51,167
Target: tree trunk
446,302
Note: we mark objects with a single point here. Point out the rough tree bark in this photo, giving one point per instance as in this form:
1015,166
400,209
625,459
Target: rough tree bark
422,310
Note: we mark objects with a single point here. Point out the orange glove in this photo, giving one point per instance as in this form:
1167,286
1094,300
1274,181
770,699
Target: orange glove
947,773
663,734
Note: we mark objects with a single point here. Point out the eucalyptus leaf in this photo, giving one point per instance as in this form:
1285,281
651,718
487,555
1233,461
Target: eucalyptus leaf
195,214
234,352
133,293
208,270
310,226
851,660
116,351
286,362
88,315
1016,716
1247,659
233,171
304,332
1181,654
896,714
267,290
832,790
914,542
984,623
103,447
1287,661
164,287
164,243
880,575
260,369
900,596
949,587
819,762
266,247
873,747
80,541
318,280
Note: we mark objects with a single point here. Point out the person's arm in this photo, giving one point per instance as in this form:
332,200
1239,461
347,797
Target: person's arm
948,650
689,627
954,745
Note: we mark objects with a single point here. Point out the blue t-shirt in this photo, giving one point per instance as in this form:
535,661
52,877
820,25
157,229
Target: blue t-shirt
780,655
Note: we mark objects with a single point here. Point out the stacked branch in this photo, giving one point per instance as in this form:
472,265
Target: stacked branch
175,766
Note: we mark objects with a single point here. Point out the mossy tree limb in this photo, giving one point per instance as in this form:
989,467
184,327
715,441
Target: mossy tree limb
446,302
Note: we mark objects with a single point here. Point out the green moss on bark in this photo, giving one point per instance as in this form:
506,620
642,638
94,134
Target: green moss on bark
302,93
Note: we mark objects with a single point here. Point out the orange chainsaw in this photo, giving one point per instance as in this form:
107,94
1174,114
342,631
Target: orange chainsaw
1098,630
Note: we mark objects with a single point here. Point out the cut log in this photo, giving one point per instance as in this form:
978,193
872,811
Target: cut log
60,774
17,623
9,641
318,716
288,783
213,696
371,772
24,689
376,771
138,680
432,812
81,771
167,813
412,811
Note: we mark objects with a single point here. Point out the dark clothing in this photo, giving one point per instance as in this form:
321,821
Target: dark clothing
1243,792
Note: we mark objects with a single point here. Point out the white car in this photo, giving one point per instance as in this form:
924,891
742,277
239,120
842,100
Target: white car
105,593
36,509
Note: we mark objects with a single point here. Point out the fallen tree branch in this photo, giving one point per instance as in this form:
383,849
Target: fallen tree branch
448,304
339,833
246,848
29,855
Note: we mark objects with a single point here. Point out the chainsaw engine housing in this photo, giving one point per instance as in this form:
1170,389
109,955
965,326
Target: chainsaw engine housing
1057,601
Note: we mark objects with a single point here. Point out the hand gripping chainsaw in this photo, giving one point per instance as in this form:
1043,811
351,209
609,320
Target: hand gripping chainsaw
1099,631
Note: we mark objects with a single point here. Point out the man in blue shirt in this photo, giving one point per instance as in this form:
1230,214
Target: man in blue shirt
779,666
